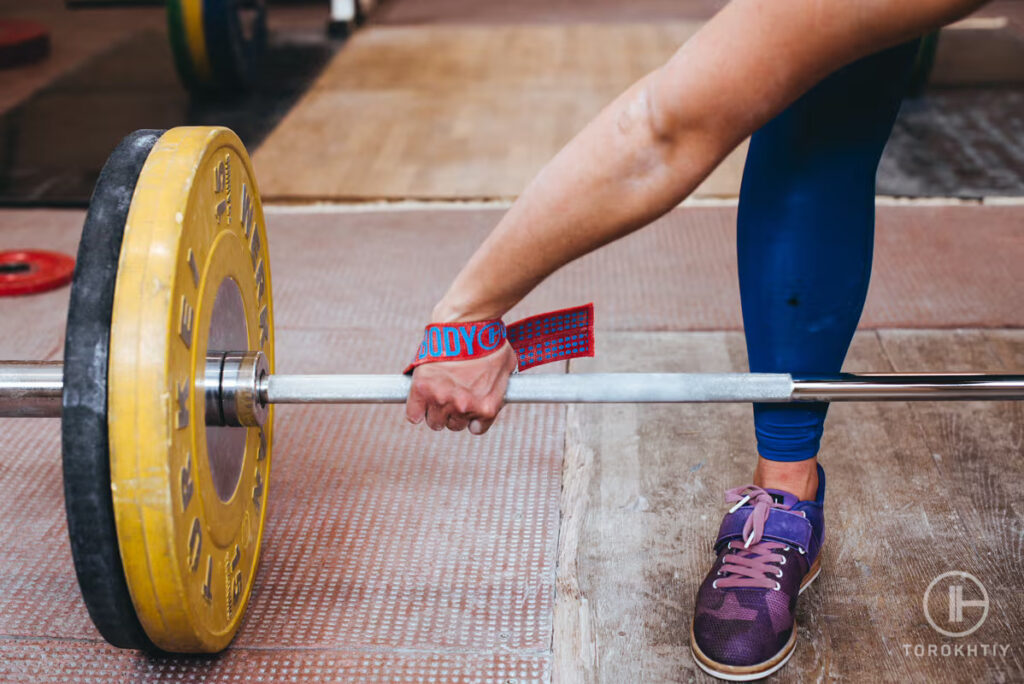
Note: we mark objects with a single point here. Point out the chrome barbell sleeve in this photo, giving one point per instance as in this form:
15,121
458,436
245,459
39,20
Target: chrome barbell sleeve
31,389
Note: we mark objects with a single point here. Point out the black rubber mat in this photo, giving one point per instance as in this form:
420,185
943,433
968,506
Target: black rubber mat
53,145
957,142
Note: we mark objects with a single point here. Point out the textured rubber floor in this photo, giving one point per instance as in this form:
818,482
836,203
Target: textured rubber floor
388,547
390,551
380,271
61,661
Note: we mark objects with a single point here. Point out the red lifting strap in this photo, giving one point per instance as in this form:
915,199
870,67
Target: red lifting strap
564,334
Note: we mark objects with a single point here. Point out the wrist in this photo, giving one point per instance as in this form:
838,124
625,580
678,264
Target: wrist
448,312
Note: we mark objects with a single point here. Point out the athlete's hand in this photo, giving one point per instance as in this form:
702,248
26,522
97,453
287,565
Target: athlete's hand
461,394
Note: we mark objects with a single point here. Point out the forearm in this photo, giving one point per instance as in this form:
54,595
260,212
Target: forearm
613,177
655,143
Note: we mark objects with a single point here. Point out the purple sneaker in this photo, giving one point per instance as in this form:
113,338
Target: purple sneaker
767,547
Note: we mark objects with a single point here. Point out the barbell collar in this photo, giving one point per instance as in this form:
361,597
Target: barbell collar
240,397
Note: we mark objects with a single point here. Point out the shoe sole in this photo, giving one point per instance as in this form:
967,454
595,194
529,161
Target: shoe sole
748,673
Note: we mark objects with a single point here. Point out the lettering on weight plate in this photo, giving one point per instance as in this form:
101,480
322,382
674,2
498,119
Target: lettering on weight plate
222,175
220,210
195,545
188,485
248,210
186,322
181,417
208,583
234,580
193,267
261,451
222,185
257,490
264,327
261,281
254,247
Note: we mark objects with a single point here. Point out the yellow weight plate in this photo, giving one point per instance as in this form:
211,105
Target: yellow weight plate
195,33
189,499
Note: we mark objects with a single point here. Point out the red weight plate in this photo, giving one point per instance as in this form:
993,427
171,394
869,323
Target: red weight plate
22,42
30,271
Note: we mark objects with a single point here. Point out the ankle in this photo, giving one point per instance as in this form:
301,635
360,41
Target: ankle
798,477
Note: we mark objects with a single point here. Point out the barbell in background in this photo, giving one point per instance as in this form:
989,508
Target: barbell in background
167,389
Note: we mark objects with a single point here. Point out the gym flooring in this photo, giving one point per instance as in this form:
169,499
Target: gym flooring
568,543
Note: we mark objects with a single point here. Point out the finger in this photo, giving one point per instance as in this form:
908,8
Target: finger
479,426
457,422
415,407
437,416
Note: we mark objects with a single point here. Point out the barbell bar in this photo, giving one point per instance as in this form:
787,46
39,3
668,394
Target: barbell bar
167,389
239,397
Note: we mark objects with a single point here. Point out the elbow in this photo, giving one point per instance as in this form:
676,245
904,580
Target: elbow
666,119
679,125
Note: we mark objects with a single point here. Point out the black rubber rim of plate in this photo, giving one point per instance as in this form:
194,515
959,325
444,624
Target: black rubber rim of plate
234,58
87,495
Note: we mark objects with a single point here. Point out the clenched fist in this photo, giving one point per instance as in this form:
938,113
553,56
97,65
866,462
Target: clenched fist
461,394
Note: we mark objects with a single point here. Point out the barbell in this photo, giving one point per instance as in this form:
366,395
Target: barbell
167,390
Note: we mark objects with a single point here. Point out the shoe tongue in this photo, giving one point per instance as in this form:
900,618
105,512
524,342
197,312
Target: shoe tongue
781,497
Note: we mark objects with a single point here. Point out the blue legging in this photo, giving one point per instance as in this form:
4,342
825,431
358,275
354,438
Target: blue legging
805,231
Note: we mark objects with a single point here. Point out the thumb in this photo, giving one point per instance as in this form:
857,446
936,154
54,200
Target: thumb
415,407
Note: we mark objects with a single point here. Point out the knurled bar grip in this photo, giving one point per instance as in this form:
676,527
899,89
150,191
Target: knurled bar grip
653,388
546,388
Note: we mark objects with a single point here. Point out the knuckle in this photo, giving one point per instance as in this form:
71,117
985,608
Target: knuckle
462,402
490,407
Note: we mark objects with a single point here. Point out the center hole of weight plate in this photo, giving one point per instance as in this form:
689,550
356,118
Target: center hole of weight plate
225,446
12,267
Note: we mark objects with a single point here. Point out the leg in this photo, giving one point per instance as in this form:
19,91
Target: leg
805,233
806,224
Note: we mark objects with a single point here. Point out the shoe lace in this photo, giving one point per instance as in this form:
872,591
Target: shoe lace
752,563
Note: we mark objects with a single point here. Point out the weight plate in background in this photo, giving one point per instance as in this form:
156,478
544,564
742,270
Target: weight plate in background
87,492
236,37
22,42
193,280
217,44
29,271
188,43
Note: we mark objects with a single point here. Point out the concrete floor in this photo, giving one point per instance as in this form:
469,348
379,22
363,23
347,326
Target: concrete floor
913,490
566,544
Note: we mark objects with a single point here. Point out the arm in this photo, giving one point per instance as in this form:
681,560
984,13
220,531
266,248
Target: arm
647,151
